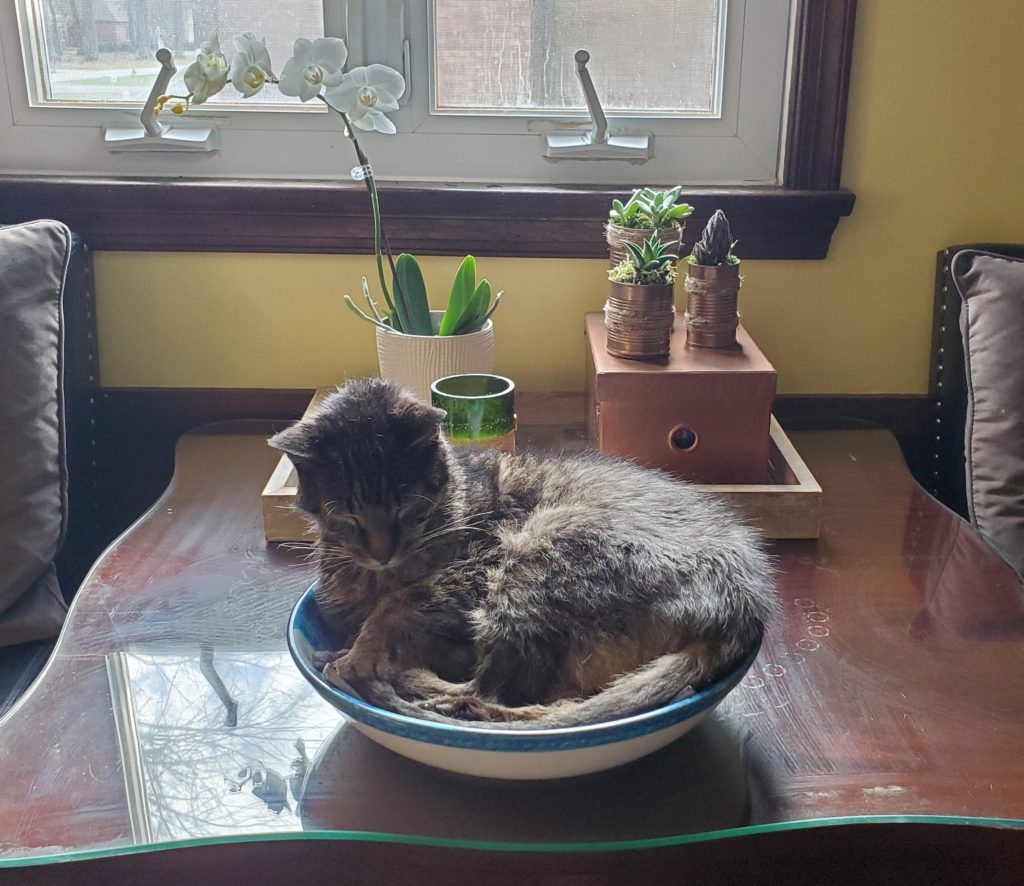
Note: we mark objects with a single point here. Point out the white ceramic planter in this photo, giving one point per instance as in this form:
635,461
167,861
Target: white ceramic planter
415,361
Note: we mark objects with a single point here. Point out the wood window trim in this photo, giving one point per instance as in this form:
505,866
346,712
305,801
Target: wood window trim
794,221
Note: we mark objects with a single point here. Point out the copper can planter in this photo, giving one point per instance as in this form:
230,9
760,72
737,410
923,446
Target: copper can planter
712,294
639,320
617,237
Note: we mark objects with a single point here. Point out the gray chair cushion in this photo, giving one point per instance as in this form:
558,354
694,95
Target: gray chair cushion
992,325
33,484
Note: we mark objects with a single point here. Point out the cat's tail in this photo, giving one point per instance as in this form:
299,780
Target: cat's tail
668,678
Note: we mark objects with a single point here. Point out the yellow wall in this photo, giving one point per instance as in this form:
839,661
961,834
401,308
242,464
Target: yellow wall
933,152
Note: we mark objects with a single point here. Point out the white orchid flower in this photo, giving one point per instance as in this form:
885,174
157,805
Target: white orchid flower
250,68
208,74
365,95
314,66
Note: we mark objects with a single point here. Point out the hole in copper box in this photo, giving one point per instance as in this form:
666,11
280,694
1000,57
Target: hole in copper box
682,438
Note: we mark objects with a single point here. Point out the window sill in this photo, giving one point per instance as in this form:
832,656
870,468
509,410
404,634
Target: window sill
207,215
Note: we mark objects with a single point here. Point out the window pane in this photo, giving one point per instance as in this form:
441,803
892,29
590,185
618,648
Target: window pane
97,51
653,56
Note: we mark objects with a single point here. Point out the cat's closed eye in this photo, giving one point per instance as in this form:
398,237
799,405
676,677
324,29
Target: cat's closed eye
349,524
414,510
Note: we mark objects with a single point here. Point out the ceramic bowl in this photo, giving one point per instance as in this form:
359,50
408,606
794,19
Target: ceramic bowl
492,753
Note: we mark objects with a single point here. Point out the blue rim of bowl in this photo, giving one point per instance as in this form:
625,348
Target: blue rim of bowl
307,613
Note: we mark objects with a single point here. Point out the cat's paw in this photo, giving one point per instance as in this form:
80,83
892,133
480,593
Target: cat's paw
358,668
336,674
463,707
419,684
323,658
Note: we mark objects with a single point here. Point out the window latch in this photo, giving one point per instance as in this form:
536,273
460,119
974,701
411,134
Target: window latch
149,134
597,143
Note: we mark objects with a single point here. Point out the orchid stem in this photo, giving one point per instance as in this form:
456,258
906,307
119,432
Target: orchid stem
379,236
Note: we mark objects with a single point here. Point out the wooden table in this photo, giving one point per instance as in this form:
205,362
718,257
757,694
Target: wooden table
879,735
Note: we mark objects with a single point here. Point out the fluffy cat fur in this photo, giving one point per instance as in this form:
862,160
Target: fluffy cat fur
514,589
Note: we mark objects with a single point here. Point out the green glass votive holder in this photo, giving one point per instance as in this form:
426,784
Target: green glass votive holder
480,409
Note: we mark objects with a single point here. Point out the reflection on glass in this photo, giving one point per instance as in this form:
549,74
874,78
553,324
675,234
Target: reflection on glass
699,783
235,743
214,744
967,593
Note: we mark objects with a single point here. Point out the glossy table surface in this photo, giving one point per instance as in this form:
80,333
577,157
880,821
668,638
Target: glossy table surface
891,687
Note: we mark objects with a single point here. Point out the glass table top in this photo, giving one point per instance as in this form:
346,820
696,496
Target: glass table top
171,713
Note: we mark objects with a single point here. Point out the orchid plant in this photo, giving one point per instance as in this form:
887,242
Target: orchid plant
362,98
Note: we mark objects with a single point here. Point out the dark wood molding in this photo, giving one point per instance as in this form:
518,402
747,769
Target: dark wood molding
794,221
334,217
821,81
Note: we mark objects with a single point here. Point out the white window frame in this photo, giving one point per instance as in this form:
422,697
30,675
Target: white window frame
742,146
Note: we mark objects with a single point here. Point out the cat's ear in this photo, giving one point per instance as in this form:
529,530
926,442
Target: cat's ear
299,441
420,425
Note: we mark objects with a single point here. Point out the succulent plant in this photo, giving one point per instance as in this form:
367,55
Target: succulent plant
647,264
649,209
715,244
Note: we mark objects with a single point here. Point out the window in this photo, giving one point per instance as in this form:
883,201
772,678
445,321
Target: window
216,206
488,80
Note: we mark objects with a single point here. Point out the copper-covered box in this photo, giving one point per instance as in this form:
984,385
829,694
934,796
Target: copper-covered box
704,414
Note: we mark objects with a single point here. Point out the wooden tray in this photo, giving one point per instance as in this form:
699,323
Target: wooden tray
787,507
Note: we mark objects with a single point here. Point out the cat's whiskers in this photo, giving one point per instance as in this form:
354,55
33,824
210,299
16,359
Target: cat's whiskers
335,559
450,529
453,526
327,552
329,548
308,548
463,519
425,541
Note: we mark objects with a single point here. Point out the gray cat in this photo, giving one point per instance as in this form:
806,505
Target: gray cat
515,589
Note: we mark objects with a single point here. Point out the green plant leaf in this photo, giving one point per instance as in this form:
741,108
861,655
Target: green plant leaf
395,321
411,303
494,307
636,254
473,317
463,288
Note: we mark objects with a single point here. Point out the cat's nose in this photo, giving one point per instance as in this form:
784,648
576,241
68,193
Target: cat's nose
381,546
